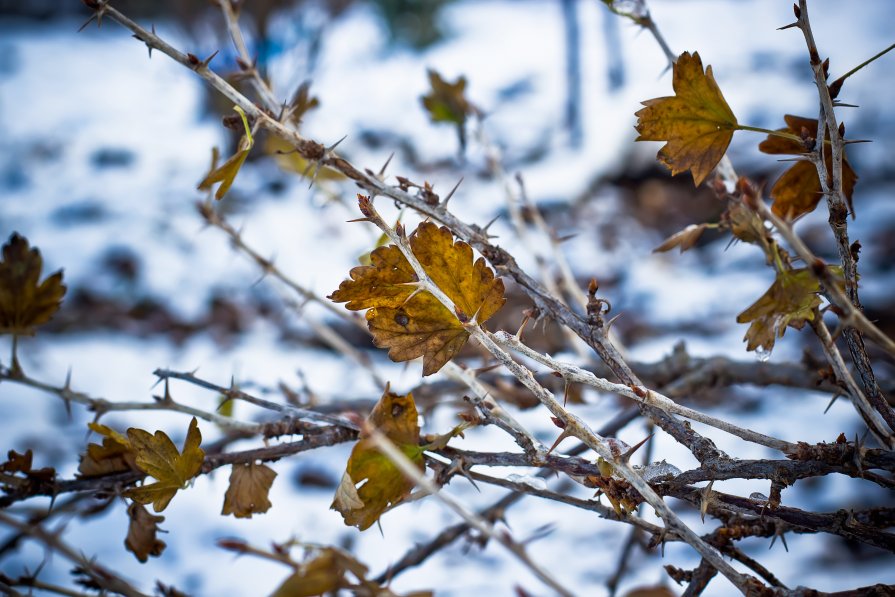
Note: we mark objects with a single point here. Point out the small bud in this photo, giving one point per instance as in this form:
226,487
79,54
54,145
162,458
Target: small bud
826,67
819,268
842,129
463,317
558,422
193,60
835,88
841,439
593,287
365,205
797,11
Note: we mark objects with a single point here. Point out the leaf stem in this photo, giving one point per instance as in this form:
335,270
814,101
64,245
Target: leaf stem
781,134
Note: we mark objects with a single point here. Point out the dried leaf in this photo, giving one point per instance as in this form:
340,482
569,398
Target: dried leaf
302,103
372,483
696,123
413,324
798,191
446,102
685,239
247,493
26,303
115,455
158,457
325,573
17,463
790,301
226,172
142,533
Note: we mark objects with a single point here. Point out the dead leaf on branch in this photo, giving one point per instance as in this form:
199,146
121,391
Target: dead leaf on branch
25,301
142,531
248,490
798,191
696,123
684,239
372,483
114,455
157,456
22,463
790,301
226,173
412,323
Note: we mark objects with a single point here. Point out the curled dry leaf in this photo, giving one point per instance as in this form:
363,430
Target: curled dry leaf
696,123
157,456
372,483
413,323
798,191
248,490
25,301
685,239
142,533
790,301
115,455
322,574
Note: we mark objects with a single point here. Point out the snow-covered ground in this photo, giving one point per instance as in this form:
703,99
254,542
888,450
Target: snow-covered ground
101,149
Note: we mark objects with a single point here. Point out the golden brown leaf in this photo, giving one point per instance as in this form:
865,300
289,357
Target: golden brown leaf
685,239
413,324
142,533
790,301
798,191
25,302
372,483
115,455
291,161
325,573
247,493
696,123
226,172
158,457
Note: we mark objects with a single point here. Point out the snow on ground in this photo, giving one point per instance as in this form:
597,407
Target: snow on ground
70,101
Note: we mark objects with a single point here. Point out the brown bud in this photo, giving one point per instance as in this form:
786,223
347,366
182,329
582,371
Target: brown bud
558,422
855,249
826,67
797,11
193,60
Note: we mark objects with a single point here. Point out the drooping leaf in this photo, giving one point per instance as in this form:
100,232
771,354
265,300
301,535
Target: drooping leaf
226,173
790,301
413,324
25,301
446,102
142,533
248,490
798,191
372,483
685,239
696,123
322,574
115,455
158,457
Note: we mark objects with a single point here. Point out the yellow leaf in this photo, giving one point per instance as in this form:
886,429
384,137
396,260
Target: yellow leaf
158,457
413,324
115,455
225,173
25,302
798,191
372,483
790,301
696,123
325,573
142,533
247,493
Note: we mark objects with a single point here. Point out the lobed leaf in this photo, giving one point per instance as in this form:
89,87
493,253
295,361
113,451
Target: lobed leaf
696,123
372,483
789,302
157,456
412,323
114,455
25,302
798,190
446,102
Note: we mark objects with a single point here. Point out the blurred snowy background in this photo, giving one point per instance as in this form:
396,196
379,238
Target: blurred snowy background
101,149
